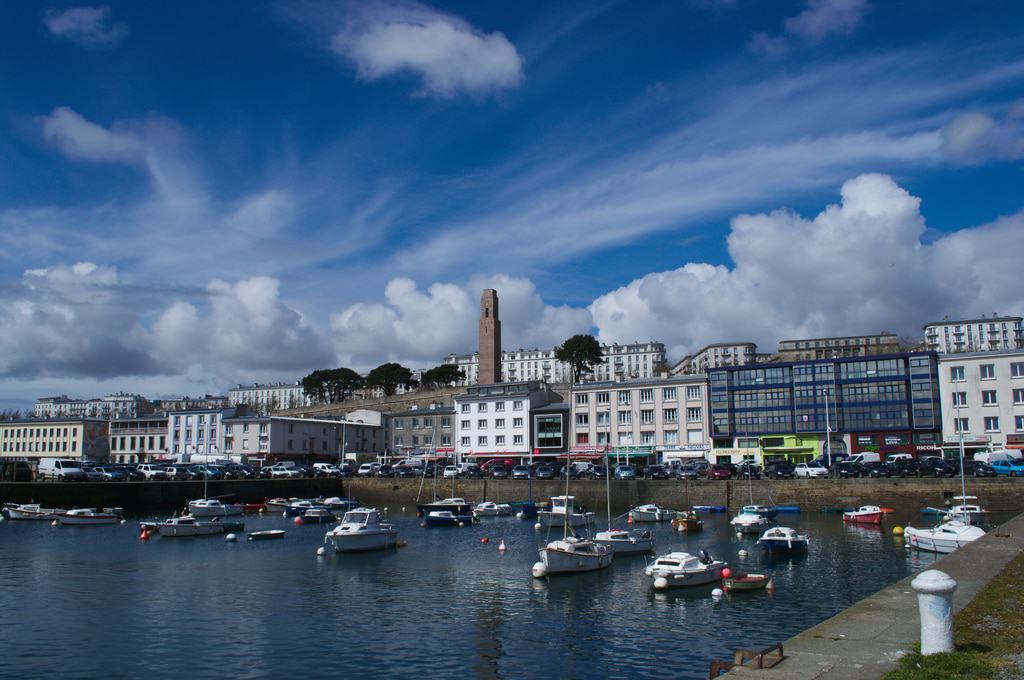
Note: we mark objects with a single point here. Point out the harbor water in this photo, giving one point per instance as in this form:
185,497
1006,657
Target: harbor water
97,602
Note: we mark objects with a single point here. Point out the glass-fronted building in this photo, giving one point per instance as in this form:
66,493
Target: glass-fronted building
888,404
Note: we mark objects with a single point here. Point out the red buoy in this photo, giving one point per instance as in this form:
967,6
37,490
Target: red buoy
485,540
144,535
727,572
298,521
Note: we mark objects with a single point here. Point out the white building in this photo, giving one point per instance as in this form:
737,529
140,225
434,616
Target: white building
717,355
119,405
642,417
270,397
636,360
138,440
72,437
264,438
982,397
198,432
494,420
975,335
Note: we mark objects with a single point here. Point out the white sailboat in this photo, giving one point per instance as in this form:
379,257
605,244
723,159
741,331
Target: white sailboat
621,541
563,511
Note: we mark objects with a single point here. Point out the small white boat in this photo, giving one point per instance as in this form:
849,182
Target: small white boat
677,569
362,529
782,539
31,511
651,512
266,535
945,538
339,503
967,510
492,509
749,523
556,516
187,525
865,514
87,516
279,504
624,542
212,507
762,510
572,555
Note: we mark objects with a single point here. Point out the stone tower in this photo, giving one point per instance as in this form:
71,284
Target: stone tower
490,339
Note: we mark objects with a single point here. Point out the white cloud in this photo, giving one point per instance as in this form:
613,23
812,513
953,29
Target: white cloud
820,19
858,267
975,137
448,54
88,26
80,139
419,328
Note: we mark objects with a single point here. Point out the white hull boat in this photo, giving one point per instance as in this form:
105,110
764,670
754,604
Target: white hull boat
31,511
968,511
361,529
679,569
490,509
652,512
556,516
187,525
572,555
782,540
89,516
945,538
211,507
749,523
624,542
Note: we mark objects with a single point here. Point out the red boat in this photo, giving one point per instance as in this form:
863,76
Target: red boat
865,514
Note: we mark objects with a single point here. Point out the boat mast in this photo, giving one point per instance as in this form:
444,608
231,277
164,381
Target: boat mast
568,465
963,482
608,489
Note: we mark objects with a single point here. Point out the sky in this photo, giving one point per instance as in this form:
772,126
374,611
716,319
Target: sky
195,195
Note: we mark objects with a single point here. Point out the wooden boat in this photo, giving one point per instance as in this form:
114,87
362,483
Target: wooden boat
744,582
865,514
31,511
266,535
687,522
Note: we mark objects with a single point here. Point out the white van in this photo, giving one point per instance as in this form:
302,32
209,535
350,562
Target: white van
990,457
865,457
60,469
893,457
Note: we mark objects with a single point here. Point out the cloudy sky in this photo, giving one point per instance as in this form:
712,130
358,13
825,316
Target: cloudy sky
197,194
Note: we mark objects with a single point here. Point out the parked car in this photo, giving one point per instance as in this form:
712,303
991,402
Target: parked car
656,472
326,470
597,472
150,471
386,471
905,467
875,469
624,472
206,471
61,469
280,471
719,471
450,472
1006,468
782,469
131,472
408,471
521,472
936,467
544,472
179,472
105,474
689,472
975,468
499,472
472,472
847,469
366,470
347,471
748,469
810,471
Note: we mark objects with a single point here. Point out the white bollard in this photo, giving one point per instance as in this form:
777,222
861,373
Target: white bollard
935,601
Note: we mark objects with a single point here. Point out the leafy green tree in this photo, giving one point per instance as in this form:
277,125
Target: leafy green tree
340,383
443,375
314,385
389,377
582,353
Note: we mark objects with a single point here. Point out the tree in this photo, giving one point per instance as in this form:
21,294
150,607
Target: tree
340,383
582,353
443,375
389,377
314,385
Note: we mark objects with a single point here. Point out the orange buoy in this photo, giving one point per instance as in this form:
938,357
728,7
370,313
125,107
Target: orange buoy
629,520
485,540
144,535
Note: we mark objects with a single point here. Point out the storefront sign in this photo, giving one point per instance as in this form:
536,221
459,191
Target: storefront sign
896,440
865,440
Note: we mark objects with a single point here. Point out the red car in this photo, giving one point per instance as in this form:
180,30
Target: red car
719,472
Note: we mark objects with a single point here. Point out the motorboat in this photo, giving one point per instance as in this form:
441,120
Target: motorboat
446,518
762,510
338,503
266,535
967,510
782,539
561,506
492,509
319,515
749,523
362,529
624,542
458,506
687,522
213,507
571,555
746,582
677,569
31,511
187,525
944,538
278,504
89,516
865,514
300,507
651,512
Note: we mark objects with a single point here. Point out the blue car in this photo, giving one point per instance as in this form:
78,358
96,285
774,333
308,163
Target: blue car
1007,468
624,472
203,471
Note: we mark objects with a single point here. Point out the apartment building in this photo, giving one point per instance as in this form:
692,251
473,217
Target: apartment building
71,437
118,405
138,440
198,432
715,355
421,431
842,346
994,334
269,397
982,400
252,437
495,420
187,403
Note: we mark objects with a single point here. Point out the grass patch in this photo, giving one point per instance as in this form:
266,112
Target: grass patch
989,629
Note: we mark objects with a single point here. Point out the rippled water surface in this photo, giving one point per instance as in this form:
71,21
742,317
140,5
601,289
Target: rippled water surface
96,602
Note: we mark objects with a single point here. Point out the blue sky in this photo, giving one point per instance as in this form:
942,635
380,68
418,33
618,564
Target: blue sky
197,194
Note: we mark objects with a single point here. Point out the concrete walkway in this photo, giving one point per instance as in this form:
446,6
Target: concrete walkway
866,640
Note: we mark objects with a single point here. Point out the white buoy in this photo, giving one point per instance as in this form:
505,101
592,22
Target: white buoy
124,521
403,508
462,524
231,538
660,583
261,510
539,570
519,515
54,523
320,552
501,546
717,593
2,518
742,553
385,509
537,526
739,534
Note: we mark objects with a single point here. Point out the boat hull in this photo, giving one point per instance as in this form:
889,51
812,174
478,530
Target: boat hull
455,508
863,517
625,543
88,520
560,561
931,541
557,519
783,546
266,535
650,515
363,541
453,521
28,513
687,525
187,530
689,579
746,583
226,510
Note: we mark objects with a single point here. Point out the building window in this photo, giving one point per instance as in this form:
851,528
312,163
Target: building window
625,417
464,425
1018,396
670,415
1018,423
625,397
646,438
446,421
499,406
988,398
988,371
582,399
603,398
961,425
668,394
960,399
517,440
499,423
604,418
647,417
1017,369
481,424
991,423
415,423
671,437
693,392
584,438
646,396
582,418
517,406
499,440
694,414
625,439
956,373
481,440
481,408
464,441
517,422
446,440
465,408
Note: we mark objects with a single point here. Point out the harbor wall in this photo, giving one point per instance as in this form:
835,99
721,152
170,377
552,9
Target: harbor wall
907,496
